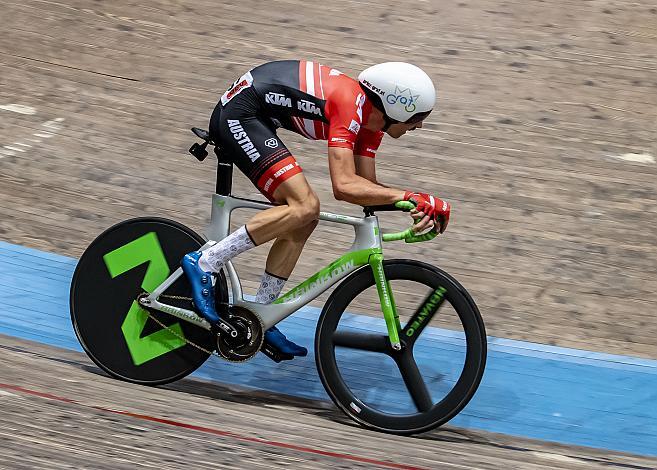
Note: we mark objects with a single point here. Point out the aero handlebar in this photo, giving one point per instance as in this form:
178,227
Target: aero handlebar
408,235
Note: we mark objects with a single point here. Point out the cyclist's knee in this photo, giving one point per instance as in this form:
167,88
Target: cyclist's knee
307,212
313,208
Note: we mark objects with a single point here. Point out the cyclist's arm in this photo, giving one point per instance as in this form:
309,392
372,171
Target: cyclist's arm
354,187
365,167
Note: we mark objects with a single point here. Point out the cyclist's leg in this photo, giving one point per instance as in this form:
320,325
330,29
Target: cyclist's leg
298,209
299,197
278,176
282,258
251,142
257,151
285,251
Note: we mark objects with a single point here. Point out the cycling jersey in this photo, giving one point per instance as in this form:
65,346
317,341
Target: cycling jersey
308,98
313,100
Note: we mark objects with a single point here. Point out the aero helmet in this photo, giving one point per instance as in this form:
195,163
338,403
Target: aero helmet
403,92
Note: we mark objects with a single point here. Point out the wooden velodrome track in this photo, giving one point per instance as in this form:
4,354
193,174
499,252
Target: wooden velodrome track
554,235
67,414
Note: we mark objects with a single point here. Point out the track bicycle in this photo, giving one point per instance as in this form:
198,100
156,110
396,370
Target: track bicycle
400,345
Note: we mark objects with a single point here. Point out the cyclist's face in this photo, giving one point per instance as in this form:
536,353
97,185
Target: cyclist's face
399,129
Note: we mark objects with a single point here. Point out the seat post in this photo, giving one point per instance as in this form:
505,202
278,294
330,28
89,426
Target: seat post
224,174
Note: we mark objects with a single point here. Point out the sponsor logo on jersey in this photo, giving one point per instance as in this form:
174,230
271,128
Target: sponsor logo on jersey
360,101
405,97
237,87
279,99
309,107
283,170
278,174
271,143
354,127
239,134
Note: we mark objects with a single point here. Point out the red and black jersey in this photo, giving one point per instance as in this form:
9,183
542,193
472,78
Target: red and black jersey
313,100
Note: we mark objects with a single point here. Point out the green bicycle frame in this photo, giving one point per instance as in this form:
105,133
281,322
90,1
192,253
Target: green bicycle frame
365,250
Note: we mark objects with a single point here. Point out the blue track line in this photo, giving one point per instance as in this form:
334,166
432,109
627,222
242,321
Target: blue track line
531,390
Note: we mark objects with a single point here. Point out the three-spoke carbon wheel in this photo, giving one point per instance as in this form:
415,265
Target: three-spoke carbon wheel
437,370
126,260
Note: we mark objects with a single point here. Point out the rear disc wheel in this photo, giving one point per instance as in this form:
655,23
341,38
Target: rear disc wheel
130,258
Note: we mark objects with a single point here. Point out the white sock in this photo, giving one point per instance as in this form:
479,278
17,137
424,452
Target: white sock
214,257
270,287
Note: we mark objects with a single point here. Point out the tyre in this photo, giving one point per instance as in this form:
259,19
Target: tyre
130,258
431,378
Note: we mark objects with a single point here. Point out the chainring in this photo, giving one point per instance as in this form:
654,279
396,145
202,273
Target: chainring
249,339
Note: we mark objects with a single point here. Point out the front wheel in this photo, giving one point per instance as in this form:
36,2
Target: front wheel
437,370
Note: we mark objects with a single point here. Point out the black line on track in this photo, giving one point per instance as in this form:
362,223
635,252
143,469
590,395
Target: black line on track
75,68
43,356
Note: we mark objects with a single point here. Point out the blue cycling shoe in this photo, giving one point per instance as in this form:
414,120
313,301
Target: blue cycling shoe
277,339
202,290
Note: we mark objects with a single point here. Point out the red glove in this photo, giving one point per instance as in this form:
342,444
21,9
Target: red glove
434,207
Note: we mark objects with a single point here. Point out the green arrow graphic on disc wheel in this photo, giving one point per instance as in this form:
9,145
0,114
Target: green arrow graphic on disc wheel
145,249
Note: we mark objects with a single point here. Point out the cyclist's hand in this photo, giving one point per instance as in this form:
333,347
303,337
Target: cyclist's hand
421,223
432,207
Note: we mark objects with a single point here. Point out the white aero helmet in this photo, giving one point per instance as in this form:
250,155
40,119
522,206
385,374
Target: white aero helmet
403,92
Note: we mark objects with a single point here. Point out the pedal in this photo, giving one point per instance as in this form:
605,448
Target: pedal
274,354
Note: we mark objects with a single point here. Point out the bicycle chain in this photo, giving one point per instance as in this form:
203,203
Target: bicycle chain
170,330
191,343
175,297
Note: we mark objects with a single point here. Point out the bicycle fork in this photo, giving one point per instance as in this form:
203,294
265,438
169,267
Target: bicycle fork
387,300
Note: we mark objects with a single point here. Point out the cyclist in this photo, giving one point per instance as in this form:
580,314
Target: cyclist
320,103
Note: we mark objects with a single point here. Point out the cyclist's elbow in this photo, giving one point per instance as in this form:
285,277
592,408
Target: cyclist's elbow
341,192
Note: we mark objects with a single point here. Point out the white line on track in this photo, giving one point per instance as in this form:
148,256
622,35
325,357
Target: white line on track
636,157
555,457
50,129
15,149
18,108
53,124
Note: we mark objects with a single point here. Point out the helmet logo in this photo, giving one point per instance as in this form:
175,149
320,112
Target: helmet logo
374,88
405,97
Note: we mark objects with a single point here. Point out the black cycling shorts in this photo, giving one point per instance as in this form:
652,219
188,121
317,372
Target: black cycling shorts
248,138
